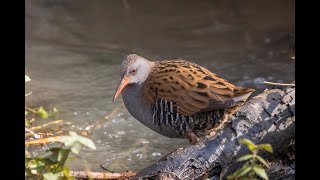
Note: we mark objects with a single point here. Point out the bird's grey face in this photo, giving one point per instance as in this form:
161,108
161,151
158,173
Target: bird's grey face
130,68
134,70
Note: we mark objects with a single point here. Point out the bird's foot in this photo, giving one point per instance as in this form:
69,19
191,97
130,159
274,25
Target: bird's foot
193,138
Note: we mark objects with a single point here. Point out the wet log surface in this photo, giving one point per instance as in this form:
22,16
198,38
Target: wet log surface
266,118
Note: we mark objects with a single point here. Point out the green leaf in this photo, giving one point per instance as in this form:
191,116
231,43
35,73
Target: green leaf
51,176
66,171
249,144
42,112
76,148
74,137
236,174
87,142
63,155
66,175
245,157
245,171
51,156
260,172
232,176
266,147
262,161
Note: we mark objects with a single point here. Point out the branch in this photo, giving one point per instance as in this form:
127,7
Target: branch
47,124
101,175
267,118
43,140
277,84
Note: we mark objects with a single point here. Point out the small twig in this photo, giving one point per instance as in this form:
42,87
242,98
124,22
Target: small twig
59,132
28,94
43,140
277,84
47,124
29,109
34,134
39,134
101,175
106,169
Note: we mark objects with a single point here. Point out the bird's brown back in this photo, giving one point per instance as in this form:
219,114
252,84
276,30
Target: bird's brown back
191,87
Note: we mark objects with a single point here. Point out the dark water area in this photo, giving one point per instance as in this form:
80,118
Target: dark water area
74,49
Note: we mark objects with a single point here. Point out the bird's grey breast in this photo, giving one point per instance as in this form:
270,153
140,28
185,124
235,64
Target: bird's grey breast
133,99
147,114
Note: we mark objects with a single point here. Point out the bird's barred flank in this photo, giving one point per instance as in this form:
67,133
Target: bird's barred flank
165,113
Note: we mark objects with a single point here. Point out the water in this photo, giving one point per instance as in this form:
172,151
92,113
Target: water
74,50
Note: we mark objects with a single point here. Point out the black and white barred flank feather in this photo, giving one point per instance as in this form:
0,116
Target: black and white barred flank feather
164,113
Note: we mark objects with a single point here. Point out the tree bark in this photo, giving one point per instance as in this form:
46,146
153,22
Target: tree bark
267,118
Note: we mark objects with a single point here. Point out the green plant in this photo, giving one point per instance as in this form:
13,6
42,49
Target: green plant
254,165
50,165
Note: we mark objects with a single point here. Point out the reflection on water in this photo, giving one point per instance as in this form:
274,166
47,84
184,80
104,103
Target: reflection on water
74,50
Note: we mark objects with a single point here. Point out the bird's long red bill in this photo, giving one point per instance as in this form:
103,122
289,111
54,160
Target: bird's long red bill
123,83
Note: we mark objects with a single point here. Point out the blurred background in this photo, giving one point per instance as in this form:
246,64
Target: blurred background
73,52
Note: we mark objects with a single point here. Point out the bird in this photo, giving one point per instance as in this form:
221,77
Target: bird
177,98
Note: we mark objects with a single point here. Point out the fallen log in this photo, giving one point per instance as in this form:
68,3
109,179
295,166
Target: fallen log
266,118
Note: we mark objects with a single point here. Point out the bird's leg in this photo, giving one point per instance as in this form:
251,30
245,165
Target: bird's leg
193,138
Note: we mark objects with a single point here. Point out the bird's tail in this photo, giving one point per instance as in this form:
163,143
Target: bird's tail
241,94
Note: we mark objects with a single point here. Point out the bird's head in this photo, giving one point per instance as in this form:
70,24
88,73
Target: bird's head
134,70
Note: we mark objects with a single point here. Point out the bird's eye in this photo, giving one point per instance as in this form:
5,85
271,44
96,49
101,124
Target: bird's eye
133,71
